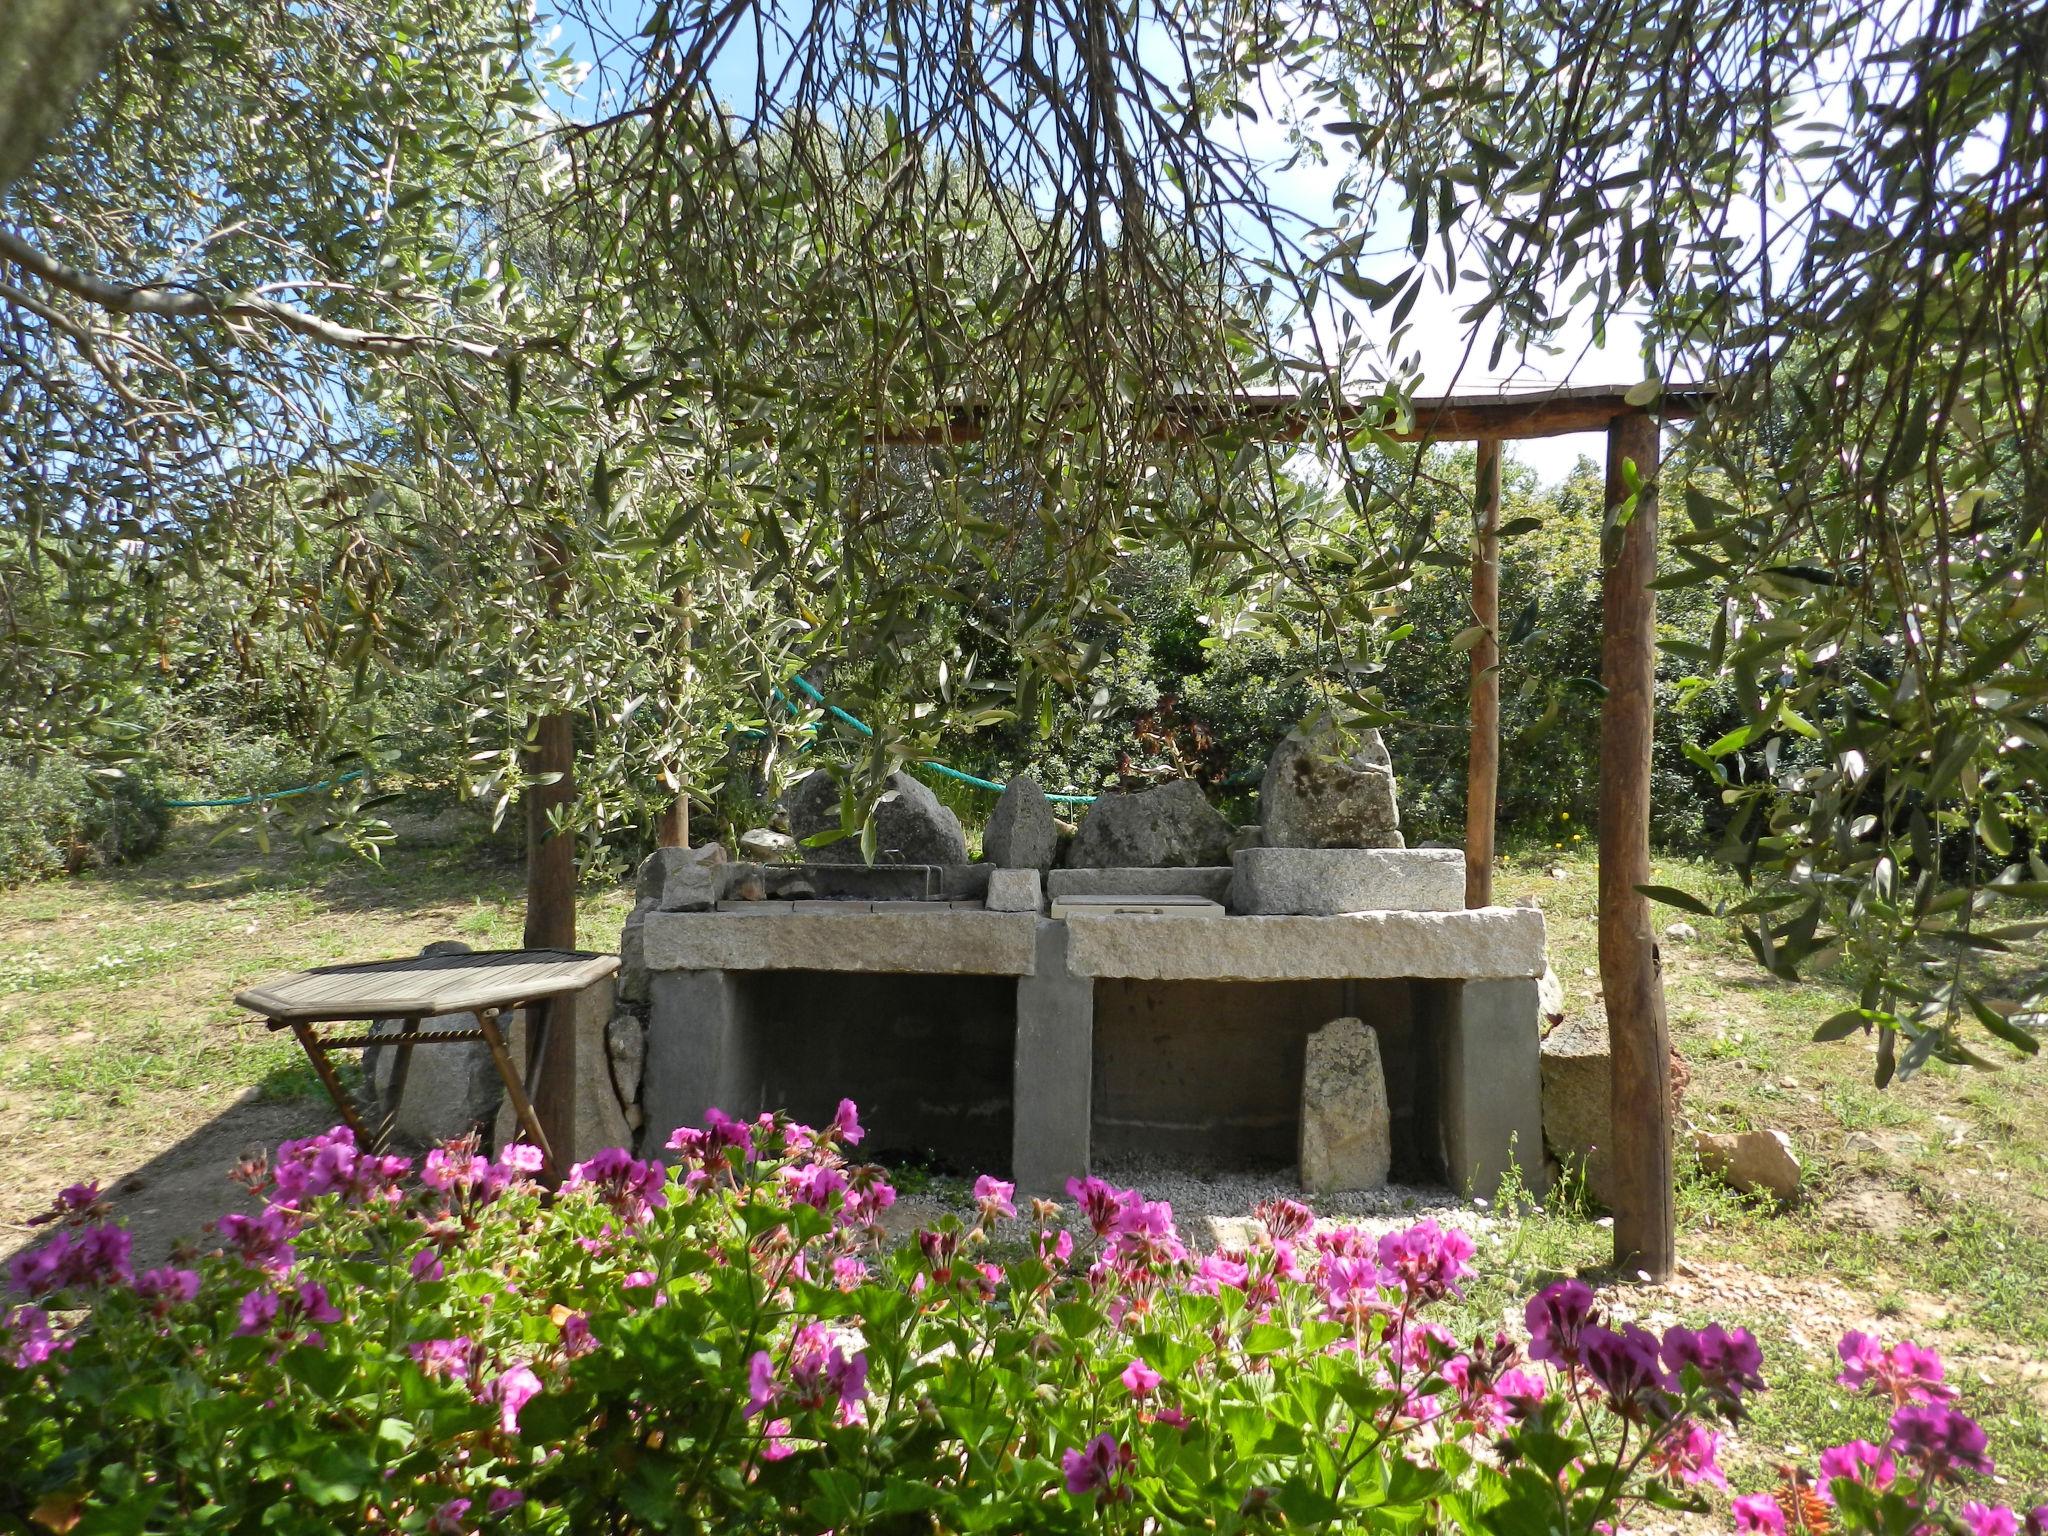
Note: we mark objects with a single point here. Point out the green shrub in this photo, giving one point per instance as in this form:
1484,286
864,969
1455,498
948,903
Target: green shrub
730,1344
60,814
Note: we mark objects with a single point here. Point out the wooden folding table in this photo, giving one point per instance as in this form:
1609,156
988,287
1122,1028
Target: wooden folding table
487,984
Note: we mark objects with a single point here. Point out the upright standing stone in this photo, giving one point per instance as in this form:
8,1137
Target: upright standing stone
1054,1069
1021,833
450,1090
1171,826
1312,797
911,826
1346,1125
1578,1116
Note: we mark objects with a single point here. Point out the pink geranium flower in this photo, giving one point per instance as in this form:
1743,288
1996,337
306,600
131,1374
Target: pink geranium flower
824,1365
1760,1513
1860,1462
1426,1261
1940,1441
289,1316
1284,1219
167,1287
1139,1379
1989,1520
82,1258
1095,1467
846,1123
1690,1453
1905,1371
25,1338
1100,1203
814,1184
510,1391
993,1196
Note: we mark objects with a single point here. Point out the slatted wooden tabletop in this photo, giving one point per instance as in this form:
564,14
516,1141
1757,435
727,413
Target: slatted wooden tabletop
426,985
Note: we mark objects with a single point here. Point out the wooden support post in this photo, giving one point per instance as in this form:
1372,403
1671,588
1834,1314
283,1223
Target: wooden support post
551,858
551,924
1645,1218
551,892
1482,762
672,829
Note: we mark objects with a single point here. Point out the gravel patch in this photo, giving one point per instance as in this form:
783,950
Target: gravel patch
1214,1209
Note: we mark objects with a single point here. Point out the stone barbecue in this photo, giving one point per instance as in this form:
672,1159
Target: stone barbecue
1156,984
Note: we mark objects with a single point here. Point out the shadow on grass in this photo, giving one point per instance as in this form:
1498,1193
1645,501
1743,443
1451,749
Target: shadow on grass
194,869
170,1198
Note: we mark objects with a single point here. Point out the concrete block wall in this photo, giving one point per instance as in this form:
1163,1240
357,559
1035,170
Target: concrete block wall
927,1058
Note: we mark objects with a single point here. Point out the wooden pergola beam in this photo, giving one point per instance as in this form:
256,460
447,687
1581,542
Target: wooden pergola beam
1283,417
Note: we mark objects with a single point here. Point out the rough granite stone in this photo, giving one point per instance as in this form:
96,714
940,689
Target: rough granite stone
1170,826
1495,942
1751,1161
681,879
929,940
1211,882
1312,797
1322,882
1014,890
625,1044
1578,1113
633,957
1346,1125
1021,833
911,826
450,1090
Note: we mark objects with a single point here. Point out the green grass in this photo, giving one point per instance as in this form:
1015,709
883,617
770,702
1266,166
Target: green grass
117,1019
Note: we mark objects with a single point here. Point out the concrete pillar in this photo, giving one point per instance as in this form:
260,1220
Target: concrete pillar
1490,1082
1053,1086
700,1053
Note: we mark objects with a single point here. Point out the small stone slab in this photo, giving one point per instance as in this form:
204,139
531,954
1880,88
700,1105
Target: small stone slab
1323,882
1492,943
1347,1140
1209,881
1014,890
937,940
1136,906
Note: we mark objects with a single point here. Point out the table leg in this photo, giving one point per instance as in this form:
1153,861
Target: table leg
401,1068
522,1106
324,1070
